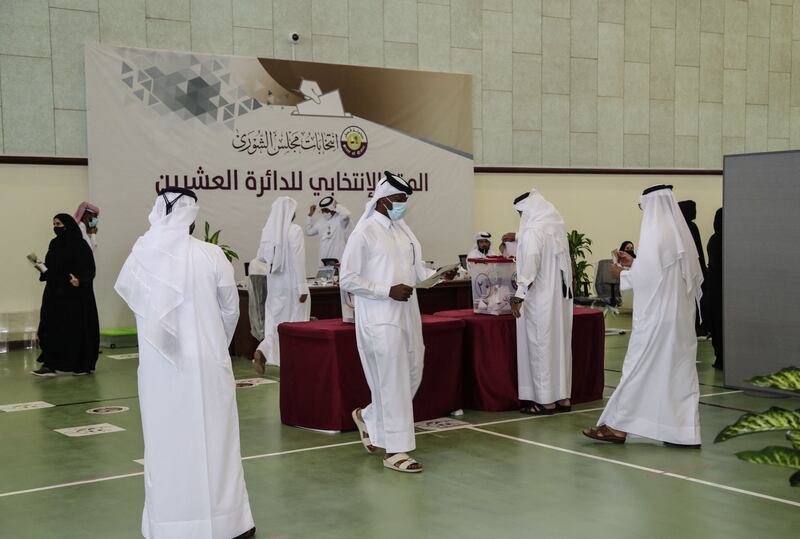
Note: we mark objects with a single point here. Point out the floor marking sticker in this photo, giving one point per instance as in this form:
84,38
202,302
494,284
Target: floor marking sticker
89,430
440,423
139,461
108,410
253,382
22,406
134,355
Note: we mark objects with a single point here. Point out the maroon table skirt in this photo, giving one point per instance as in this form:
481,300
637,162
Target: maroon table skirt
490,358
322,380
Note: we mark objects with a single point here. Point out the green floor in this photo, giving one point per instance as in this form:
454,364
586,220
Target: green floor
504,476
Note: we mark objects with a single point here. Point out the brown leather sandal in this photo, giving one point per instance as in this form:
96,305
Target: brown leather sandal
603,434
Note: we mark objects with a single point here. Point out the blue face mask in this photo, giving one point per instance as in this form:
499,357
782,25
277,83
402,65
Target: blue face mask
397,211
93,222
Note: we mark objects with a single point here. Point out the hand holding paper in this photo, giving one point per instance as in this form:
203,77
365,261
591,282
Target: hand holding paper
434,279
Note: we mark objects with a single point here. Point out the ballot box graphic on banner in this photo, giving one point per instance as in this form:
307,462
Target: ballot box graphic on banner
493,284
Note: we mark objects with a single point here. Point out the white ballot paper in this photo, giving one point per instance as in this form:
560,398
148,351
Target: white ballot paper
433,279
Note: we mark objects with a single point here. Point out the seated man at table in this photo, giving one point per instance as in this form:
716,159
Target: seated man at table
483,246
543,307
381,263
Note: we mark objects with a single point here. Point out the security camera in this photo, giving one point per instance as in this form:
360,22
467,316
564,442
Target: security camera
294,38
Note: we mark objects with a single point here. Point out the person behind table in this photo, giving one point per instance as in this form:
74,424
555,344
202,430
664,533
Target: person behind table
628,247
69,330
382,262
87,216
658,394
183,293
331,228
542,306
508,245
283,250
482,247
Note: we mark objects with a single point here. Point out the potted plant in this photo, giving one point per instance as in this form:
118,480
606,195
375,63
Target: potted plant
774,419
579,246
214,238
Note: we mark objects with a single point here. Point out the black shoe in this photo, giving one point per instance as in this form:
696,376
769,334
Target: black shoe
249,533
682,446
44,372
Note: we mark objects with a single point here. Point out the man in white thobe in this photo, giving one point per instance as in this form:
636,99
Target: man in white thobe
381,263
331,227
87,216
183,293
283,250
542,306
658,394
482,247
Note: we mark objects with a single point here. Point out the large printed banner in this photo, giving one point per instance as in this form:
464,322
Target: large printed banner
241,131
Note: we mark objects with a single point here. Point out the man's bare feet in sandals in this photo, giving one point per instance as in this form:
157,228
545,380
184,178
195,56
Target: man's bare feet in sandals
564,405
358,419
259,362
401,462
604,433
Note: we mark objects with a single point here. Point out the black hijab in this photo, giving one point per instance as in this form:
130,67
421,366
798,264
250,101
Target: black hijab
69,253
689,211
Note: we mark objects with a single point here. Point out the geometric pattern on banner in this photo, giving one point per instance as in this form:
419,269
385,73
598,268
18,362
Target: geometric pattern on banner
89,430
253,382
186,85
440,423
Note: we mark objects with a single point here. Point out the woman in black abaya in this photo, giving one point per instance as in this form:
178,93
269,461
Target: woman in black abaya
69,331
715,289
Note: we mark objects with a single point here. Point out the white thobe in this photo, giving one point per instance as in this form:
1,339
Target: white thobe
284,289
91,239
332,232
544,329
658,394
193,477
389,333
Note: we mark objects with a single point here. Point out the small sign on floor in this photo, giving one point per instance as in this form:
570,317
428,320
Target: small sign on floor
22,406
107,410
134,355
440,423
89,430
253,382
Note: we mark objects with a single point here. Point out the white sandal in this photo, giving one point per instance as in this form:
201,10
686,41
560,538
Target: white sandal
401,462
362,432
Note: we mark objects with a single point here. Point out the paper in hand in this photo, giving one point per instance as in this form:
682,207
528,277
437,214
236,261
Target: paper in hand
433,279
32,258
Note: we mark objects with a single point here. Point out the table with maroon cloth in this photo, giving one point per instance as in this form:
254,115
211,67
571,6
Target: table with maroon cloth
322,380
490,358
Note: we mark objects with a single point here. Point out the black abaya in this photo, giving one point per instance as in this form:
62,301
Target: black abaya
69,330
714,289
689,210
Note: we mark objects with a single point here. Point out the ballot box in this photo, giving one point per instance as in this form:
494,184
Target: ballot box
494,283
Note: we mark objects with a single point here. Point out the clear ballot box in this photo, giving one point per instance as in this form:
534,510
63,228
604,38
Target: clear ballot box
494,282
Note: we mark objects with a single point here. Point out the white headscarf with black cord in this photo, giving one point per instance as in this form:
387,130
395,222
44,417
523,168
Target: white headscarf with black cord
274,248
153,279
539,215
665,239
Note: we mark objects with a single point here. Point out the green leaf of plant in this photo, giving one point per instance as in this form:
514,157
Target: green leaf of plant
774,455
208,227
794,437
773,419
787,379
215,237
